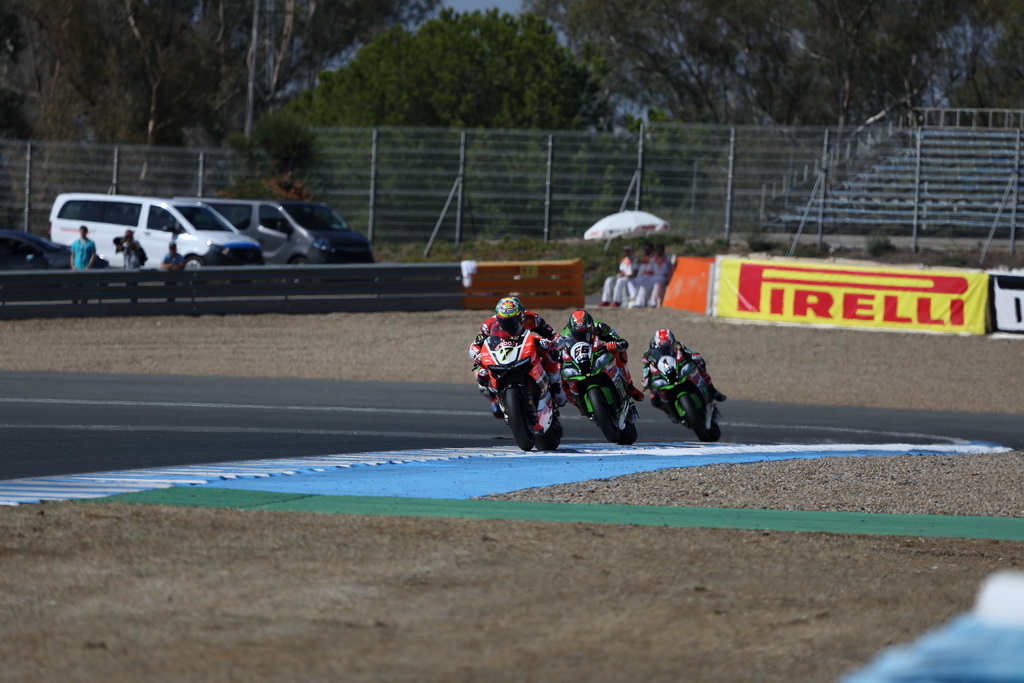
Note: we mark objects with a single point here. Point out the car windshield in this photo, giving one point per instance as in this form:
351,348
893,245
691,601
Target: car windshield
204,218
316,217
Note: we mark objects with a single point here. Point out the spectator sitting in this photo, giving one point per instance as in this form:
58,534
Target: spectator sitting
645,277
618,288
663,266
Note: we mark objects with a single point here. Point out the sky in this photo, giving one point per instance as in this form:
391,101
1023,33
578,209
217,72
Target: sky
509,6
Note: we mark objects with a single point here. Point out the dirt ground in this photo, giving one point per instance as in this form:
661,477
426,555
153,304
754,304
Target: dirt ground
119,592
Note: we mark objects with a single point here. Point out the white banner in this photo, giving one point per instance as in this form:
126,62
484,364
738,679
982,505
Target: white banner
1007,303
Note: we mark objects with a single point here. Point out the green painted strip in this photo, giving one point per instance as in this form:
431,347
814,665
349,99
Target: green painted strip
938,526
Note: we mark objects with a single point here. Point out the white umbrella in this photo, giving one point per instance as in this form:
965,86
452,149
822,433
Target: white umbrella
625,223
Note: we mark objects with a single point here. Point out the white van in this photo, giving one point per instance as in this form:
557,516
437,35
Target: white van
203,237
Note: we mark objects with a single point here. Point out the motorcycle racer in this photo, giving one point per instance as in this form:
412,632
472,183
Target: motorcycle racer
510,317
665,343
583,327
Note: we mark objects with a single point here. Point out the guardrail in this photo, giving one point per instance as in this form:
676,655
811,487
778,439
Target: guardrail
257,289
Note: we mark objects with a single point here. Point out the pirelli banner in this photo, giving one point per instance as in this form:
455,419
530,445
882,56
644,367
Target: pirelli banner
854,296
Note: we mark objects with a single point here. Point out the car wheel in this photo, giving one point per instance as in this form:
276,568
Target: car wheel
298,261
194,263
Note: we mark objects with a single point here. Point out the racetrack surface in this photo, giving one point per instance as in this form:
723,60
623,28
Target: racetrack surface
122,592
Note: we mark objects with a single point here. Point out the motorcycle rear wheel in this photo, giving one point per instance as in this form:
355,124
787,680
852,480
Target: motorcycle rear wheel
693,418
515,410
602,414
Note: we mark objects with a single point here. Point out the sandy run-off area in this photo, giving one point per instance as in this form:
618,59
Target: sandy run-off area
119,592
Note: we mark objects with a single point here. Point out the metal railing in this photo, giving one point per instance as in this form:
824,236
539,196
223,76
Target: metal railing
249,289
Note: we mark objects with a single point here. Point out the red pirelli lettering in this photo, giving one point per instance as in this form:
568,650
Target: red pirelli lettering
755,278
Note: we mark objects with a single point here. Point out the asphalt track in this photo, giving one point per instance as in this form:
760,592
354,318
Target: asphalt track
298,444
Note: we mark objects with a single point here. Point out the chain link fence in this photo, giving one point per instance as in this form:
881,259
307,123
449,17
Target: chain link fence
413,184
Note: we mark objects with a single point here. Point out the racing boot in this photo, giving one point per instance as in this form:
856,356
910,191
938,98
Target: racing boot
496,409
635,393
555,387
719,396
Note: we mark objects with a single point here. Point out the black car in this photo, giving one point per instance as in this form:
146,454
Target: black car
22,251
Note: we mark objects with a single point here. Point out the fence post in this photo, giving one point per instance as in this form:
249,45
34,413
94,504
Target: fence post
639,166
917,190
1016,185
462,176
202,171
373,185
28,186
117,165
824,188
729,180
547,187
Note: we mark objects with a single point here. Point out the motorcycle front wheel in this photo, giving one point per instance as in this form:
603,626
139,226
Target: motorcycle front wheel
551,439
515,410
693,418
602,414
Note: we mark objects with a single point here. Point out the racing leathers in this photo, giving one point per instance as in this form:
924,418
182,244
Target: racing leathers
682,355
614,343
548,355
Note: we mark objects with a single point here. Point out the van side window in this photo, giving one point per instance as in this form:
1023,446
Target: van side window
272,219
161,219
239,215
82,210
121,213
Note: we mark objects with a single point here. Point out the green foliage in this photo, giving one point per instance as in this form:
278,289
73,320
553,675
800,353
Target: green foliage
802,62
280,188
463,71
879,244
760,242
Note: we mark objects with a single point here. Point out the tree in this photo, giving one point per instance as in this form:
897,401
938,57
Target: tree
176,71
460,70
810,62
12,100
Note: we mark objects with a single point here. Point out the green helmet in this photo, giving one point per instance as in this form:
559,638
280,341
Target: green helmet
581,325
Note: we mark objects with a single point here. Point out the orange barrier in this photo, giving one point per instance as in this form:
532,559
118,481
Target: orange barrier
690,283
540,284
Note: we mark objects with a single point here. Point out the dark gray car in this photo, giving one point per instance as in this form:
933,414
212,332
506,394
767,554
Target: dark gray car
22,251
294,232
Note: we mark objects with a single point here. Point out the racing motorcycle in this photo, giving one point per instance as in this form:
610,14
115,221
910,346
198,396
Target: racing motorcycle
687,398
518,380
600,389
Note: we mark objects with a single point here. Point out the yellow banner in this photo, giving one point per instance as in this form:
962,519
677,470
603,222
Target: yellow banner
856,296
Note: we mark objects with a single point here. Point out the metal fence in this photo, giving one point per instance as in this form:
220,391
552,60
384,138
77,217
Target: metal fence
409,184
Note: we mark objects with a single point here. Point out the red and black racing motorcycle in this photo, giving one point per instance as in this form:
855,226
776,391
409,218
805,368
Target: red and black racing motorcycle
518,380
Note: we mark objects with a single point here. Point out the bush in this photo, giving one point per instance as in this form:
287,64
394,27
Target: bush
879,244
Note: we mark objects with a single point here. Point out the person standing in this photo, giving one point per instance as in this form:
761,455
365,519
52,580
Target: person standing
134,256
83,256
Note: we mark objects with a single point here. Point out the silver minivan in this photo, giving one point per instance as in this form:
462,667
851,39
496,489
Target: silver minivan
294,232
